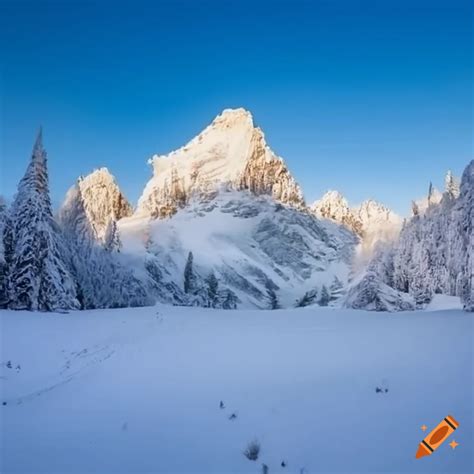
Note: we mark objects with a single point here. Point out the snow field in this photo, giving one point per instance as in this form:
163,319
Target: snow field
138,390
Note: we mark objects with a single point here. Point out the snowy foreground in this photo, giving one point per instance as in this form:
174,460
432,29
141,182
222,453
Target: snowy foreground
138,390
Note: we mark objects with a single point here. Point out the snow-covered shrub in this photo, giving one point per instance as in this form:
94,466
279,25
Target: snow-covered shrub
308,298
252,450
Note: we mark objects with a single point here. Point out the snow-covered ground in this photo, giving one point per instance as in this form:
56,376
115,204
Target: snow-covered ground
138,390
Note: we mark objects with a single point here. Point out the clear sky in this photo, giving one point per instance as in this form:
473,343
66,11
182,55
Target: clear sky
372,98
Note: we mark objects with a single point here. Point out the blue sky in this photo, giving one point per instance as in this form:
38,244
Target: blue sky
373,98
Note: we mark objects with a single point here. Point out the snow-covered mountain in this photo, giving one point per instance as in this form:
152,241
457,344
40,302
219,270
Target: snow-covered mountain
373,222
231,153
101,199
237,233
364,220
264,252
334,206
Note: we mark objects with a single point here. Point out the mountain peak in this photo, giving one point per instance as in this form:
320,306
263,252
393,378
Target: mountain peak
99,174
230,117
230,153
332,196
371,221
100,197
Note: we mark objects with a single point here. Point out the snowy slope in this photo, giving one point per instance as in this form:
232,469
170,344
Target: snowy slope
251,243
134,391
230,153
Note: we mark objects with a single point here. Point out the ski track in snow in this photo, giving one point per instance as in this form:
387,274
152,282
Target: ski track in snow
74,366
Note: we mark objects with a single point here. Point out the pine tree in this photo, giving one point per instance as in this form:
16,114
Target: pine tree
271,296
39,276
451,185
430,194
308,298
112,241
229,300
369,293
466,226
325,297
336,289
5,252
189,276
212,289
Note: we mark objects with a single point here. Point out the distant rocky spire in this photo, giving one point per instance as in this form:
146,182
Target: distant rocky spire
101,201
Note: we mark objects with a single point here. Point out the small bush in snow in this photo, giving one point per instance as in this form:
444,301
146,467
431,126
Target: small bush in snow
252,451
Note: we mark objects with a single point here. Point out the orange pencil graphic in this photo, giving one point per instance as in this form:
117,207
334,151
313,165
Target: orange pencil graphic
437,437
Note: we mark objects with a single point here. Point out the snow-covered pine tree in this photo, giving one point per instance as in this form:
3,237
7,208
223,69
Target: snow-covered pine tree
451,185
368,292
325,297
112,241
435,248
420,291
228,299
466,226
308,298
189,276
39,277
430,194
336,290
271,295
5,251
212,289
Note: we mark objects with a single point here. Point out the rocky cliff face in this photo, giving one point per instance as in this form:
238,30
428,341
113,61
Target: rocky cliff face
230,154
102,200
334,206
